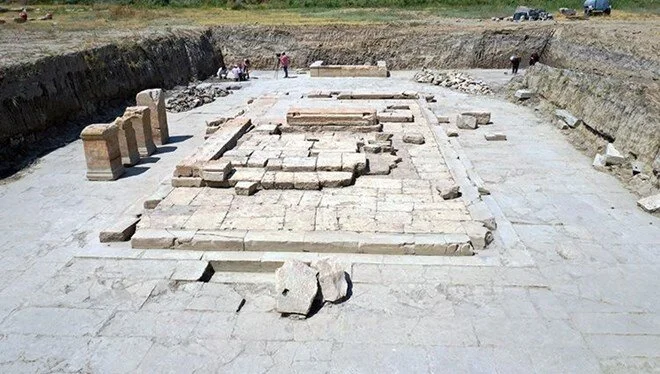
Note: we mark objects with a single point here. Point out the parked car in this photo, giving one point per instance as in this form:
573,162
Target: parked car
597,7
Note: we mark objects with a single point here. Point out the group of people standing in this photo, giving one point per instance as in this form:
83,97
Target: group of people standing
241,71
515,61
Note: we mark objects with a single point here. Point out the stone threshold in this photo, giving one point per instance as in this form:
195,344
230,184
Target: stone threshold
437,244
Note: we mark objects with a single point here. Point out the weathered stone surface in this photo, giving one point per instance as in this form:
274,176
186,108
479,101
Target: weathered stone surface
332,279
334,179
613,156
567,118
523,94
245,188
354,162
306,181
296,286
216,170
328,161
101,144
120,231
599,162
299,163
495,136
650,204
140,119
187,182
413,138
155,100
448,191
483,118
466,122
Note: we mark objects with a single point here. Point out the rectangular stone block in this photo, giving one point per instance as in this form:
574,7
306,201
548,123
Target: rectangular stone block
268,180
274,164
152,201
354,162
483,118
270,241
120,231
212,240
246,175
328,161
383,243
245,188
466,122
650,204
187,182
299,164
216,170
568,118
495,136
331,117
153,239
140,119
154,99
306,181
523,94
284,180
127,142
396,116
102,154
335,179
332,241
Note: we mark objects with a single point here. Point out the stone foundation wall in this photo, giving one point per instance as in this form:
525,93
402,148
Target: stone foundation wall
38,100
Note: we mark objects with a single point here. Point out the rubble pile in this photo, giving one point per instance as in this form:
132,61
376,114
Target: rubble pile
454,80
193,96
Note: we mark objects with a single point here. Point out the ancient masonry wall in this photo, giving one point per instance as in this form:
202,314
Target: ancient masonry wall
38,99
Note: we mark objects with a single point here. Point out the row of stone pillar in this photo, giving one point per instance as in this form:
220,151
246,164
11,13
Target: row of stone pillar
112,146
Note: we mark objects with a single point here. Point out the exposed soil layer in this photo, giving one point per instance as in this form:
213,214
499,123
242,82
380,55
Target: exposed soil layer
40,99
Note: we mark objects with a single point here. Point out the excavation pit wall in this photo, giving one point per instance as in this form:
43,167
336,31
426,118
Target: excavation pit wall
45,103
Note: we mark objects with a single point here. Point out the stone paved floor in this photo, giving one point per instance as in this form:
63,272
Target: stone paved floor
580,295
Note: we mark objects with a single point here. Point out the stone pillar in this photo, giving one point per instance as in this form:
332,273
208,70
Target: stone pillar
140,119
102,154
155,100
127,143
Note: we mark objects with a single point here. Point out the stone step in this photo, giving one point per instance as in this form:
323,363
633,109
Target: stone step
306,241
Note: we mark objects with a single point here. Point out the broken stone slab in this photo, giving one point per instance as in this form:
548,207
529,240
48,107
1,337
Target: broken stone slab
650,204
155,100
383,136
332,280
568,118
495,136
152,201
269,128
153,239
296,286
140,117
524,94
413,138
372,148
245,188
120,231
599,162
479,235
246,175
451,131
613,156
378,165
449,191
483,118
466,122
102,154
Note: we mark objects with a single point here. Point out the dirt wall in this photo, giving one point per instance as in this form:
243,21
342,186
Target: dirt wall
39,100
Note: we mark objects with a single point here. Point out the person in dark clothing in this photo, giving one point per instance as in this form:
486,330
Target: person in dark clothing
533,59
515,63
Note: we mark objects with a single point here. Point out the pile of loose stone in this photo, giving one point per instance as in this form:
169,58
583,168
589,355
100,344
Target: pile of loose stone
454,80
194,96
299,285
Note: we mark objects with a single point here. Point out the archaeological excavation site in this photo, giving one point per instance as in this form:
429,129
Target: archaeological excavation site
342,197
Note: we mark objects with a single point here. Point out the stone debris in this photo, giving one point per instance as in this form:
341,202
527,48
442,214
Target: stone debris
568,12
120,231
466,122
613,156
524,94
296,286
245,188
599,162
637,167
483,118
443,119
454,80
449,192
413,138
451,131
495,136
650,204
568,118
193,96
331,279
